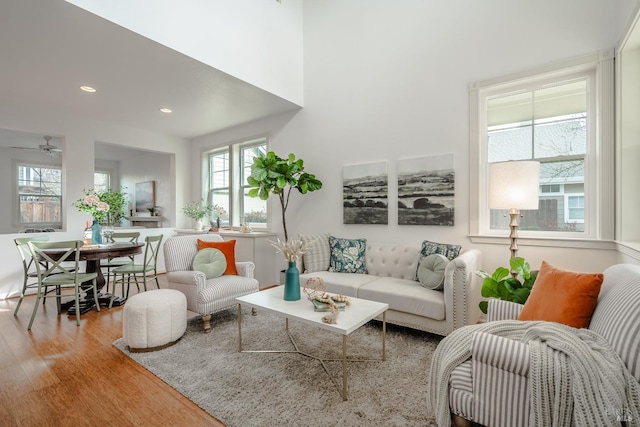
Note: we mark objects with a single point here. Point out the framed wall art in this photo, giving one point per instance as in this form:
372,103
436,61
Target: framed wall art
426,191
145,196
365,192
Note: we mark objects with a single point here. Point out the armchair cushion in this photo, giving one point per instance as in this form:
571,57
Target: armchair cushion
562,296
211,262
229,251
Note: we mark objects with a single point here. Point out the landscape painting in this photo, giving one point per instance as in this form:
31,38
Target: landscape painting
426,191
365,194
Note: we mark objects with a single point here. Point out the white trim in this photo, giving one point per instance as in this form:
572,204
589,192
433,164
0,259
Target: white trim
548,242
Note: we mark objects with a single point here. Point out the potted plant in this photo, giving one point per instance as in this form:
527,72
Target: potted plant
106,208
197,211
271,174
510,285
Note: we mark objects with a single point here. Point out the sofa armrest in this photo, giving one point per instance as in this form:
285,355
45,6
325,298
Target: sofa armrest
503,310
462,290
245,268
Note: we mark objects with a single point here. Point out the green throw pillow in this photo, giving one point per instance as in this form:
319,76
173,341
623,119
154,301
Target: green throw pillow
428,248
347,255
431,271
211,262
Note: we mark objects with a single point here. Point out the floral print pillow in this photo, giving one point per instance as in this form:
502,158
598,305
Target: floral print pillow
347,255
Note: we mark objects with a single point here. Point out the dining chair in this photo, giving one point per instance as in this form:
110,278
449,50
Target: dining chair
139,272
52,271
112,263
30,275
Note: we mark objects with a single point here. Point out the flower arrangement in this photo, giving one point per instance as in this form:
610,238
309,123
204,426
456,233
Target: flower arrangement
198,210
292,249
108,204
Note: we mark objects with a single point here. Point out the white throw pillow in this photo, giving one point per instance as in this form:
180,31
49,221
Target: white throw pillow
431,271
318,255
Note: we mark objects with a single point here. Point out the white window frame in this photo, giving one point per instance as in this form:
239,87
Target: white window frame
236,188
599,159
567,208
56,225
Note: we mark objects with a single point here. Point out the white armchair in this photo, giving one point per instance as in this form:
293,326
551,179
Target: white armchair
204,296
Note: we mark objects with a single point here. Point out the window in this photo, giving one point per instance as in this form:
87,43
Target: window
101,181
40,195
555,116
228,169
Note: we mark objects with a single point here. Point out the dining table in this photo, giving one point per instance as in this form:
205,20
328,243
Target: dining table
93,254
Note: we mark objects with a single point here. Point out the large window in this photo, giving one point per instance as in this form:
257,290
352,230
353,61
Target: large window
228,169
101,181
40,196
555,117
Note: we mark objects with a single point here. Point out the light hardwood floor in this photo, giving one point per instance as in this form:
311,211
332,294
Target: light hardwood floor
61,374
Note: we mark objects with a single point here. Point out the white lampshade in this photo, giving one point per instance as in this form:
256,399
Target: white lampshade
514,185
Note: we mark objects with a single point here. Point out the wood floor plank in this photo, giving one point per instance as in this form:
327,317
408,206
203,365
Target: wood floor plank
62,374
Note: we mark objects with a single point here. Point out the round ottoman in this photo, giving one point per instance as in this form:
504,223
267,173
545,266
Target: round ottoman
154,319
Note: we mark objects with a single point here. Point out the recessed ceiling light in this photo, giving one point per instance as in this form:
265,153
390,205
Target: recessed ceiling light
87,89
166,110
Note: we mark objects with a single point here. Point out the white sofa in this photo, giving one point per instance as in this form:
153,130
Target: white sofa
391,278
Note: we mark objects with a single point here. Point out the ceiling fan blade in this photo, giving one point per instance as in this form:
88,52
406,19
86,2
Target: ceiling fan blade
25,148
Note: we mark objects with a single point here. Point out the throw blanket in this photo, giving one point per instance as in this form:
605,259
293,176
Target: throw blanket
583,385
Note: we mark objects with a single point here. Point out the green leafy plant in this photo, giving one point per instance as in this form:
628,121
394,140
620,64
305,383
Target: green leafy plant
105,206
198,210
503,285
271,174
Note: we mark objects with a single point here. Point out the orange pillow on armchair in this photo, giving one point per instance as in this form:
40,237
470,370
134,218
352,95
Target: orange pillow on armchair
229,251
562,296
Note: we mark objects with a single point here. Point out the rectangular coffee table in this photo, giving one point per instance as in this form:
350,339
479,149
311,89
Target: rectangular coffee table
355,315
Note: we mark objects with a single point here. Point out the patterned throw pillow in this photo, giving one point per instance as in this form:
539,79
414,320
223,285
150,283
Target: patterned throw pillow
428,248
318,255
347,255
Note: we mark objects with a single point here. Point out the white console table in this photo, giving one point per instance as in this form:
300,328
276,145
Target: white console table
146,221
254,246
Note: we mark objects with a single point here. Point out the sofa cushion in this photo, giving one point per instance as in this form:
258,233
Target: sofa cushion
431,271
388,260
229,251
347,255
211,262
562,296
340,283
405,295
318,254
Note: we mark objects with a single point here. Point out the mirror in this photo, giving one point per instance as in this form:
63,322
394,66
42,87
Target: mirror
37,160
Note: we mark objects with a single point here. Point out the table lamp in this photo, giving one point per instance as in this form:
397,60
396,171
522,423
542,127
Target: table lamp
514,185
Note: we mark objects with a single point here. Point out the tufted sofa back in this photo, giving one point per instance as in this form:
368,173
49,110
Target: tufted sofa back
388,260
616,316
180,250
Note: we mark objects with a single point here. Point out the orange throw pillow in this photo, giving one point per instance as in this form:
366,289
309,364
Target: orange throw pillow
229,251
562,296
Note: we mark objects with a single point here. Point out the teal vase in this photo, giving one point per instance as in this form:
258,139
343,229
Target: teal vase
96,233
292,282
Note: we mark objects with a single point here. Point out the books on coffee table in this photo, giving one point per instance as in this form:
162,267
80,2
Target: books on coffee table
324,306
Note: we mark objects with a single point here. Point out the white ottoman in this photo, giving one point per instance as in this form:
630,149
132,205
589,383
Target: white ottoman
154,319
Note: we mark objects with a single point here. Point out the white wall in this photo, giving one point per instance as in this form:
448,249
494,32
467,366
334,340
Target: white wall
385,81
258,41
78,167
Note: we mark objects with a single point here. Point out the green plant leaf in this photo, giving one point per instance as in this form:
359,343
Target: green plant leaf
489,288
520,266
520,295
484,305
500,273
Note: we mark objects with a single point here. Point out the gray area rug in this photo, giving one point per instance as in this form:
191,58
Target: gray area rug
288,389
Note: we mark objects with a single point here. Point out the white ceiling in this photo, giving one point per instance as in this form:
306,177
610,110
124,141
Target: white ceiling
48,48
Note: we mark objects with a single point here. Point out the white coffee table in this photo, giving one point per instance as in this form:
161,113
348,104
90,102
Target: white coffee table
357,314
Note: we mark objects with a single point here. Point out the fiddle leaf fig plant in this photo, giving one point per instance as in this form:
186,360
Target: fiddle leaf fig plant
508,286
271,174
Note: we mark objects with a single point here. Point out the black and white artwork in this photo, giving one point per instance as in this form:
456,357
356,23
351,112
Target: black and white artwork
365,194
426,191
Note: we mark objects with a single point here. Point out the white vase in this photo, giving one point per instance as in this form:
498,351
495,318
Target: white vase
198,224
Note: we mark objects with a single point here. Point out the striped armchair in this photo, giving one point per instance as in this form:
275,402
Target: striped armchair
204,296
492,387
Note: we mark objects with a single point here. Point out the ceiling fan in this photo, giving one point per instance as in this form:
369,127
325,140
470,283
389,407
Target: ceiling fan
46,148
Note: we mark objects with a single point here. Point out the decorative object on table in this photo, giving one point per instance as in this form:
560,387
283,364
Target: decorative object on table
271,174
291,251
245,228
334,304
106,207
502,284
332,318
314,287
514,185
365,194
197,211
